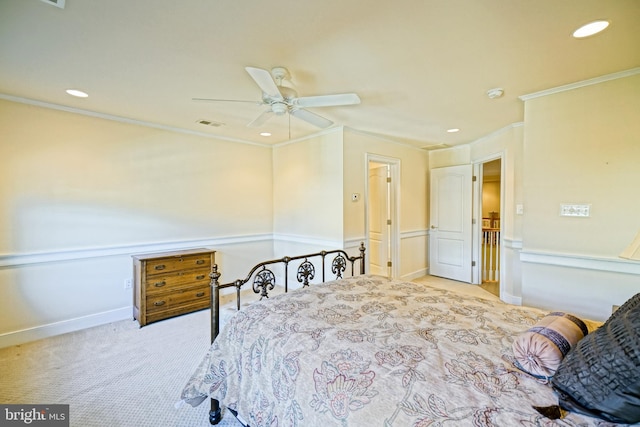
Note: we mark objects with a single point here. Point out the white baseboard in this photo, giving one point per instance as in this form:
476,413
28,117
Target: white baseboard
415,274
65,326
510,299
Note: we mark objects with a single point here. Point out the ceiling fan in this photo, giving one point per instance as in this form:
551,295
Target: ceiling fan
282,99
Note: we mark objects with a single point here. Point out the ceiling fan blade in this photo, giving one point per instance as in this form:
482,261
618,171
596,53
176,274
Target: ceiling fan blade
265,82
312,118
261,119
328,100
224,100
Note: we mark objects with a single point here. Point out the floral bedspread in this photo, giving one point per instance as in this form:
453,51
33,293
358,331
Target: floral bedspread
369,351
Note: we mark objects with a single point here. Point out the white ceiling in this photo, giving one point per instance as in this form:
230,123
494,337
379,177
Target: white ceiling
420,67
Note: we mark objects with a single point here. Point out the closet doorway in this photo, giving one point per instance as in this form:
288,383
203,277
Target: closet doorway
381,215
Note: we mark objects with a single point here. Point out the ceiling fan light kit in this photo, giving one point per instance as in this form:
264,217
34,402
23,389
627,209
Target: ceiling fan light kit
279,108
283,99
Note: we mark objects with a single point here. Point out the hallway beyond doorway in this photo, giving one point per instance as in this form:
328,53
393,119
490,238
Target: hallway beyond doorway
492,287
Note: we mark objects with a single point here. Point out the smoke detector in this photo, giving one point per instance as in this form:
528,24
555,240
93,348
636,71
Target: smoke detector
495,93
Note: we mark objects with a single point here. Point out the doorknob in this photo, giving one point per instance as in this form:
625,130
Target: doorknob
433,227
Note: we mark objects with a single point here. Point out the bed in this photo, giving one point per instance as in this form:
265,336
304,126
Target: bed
371,351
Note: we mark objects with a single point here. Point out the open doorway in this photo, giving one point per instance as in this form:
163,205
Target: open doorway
382,226
490,243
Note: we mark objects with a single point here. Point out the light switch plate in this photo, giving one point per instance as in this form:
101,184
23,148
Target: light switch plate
583,211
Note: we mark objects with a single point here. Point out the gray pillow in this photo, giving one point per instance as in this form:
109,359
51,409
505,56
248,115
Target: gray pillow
540,349
600,376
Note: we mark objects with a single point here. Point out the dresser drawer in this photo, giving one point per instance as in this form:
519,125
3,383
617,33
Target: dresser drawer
178,298
177,263
154,316
175,280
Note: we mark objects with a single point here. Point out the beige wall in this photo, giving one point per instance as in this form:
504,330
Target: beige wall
307,189
581,146
71,181
79,194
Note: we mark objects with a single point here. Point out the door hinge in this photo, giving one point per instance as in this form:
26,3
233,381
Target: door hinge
473,221
388,222
475,178
388,179
388,263
473,263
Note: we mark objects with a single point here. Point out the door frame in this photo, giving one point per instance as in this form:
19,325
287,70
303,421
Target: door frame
477,217
394,203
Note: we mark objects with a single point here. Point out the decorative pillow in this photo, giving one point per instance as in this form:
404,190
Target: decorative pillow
540,350
600,377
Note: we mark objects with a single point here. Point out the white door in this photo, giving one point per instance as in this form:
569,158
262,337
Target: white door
382,213
379,219
451,222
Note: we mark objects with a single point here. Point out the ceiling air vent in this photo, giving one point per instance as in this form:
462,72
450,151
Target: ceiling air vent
58,3
210,123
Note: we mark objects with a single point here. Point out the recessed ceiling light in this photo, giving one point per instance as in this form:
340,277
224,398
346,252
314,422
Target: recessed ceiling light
453,130
265,133
590,29
77,93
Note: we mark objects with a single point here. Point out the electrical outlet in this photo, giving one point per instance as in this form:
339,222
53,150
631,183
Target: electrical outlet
127,283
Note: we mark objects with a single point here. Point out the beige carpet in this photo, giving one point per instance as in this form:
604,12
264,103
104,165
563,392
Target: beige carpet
113,375
122,375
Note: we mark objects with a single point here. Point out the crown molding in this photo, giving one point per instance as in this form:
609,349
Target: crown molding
120,119
583,83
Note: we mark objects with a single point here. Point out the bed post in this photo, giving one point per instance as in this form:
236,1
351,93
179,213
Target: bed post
362,264
215,414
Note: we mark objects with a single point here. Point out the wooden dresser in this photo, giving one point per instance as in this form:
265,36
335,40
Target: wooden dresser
170,284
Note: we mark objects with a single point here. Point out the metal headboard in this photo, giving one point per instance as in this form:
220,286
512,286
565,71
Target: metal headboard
264,279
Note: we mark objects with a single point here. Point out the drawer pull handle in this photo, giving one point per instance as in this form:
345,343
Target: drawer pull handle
200,262
159,303
200,277
159,267
200,294
160,284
